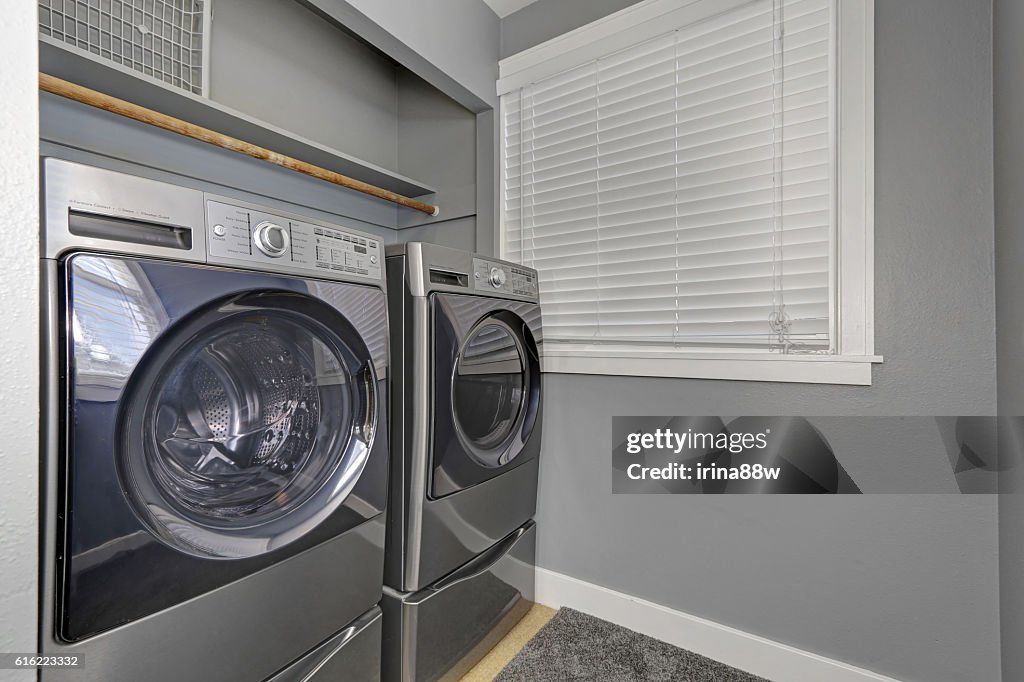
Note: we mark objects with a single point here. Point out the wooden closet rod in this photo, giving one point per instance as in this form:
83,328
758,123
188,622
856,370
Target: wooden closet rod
79,93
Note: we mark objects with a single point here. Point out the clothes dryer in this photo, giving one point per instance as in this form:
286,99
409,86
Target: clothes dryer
466,429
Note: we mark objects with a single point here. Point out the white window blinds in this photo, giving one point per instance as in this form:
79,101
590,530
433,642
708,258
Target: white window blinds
680,191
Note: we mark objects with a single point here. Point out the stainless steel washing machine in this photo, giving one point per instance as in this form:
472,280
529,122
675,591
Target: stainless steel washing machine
466,429
216,449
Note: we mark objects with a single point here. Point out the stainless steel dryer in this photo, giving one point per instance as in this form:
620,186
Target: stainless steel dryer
466,424
215,438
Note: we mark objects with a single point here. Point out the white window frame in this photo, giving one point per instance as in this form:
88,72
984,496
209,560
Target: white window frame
854,244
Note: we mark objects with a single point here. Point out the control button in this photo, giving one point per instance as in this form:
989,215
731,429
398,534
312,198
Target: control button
220,230
497,278
373,259
271,239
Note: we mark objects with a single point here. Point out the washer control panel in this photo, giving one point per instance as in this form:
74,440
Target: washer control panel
239,233
504,278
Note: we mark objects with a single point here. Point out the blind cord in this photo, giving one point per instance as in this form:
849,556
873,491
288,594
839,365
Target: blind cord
778,321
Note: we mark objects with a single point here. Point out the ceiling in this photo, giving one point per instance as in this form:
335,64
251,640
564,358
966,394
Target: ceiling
503,8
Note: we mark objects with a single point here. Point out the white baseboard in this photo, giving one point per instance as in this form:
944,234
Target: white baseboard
757,655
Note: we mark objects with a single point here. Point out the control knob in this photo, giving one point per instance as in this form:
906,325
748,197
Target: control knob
271,239
497,278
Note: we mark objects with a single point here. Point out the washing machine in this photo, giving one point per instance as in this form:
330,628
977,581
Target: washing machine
466,431
216,448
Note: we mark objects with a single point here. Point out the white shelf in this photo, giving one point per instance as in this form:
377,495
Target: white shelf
84,68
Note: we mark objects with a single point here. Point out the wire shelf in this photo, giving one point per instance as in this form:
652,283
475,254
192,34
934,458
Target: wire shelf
164,39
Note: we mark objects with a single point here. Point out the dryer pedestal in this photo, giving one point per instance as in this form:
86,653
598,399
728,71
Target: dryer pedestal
443,630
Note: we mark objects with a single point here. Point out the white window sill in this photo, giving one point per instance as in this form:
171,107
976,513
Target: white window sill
563,358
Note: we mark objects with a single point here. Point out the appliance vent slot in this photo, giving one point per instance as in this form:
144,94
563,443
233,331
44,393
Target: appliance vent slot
162,39
452,279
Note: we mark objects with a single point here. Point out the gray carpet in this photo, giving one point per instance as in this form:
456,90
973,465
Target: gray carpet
575,646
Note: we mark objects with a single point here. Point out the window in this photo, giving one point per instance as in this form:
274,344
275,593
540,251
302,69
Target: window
678,174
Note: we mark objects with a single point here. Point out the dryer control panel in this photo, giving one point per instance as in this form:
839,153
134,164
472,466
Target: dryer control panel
242,234
504,277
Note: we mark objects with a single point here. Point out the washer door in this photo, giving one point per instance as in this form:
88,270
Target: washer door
486,389
247,424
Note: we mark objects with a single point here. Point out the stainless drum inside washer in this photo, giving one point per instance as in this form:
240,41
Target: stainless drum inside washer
230,438
236,421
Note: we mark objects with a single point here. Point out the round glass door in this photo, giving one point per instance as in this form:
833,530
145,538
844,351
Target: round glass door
489,390
250,427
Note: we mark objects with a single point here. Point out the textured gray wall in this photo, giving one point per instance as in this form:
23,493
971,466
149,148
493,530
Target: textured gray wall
904,585
1009,170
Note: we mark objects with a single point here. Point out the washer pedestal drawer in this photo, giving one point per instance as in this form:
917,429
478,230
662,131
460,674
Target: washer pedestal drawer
443,630
352,654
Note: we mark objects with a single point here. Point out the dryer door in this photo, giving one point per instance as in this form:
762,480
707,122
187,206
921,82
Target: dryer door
247,424
487,389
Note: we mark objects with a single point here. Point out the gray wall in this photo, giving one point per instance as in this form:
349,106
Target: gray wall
1009,170
326,85
905,585
19,336
546,19
455,234
453,46
281,63
437,140
457,37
